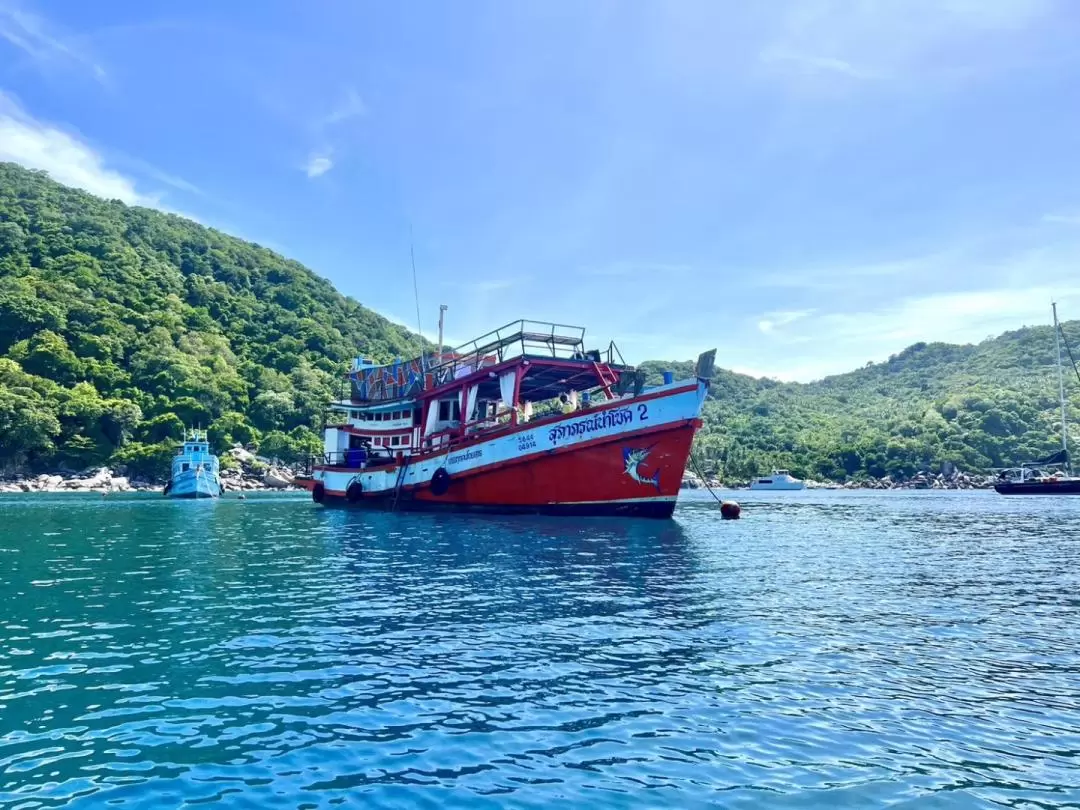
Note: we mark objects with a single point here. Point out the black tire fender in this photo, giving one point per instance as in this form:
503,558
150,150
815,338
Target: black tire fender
354,491
168,486
318,492
440,481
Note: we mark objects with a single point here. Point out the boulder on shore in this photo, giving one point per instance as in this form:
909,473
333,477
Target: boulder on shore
277,479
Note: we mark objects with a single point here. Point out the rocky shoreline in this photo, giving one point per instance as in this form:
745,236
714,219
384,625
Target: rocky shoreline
956,481
246,478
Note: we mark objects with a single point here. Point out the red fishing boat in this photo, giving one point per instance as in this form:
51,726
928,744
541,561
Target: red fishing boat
522,420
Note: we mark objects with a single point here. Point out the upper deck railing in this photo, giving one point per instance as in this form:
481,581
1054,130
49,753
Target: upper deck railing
522,338
515,339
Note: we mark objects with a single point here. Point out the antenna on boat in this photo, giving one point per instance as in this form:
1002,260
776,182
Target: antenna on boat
442,311
416,296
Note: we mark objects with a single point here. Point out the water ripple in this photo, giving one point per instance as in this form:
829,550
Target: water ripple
830,649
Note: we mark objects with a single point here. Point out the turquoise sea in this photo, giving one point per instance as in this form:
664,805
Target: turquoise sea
832,649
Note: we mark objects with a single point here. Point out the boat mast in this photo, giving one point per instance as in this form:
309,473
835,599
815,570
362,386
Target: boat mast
416,297
1061,381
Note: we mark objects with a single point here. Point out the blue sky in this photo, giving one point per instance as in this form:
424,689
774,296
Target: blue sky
805,184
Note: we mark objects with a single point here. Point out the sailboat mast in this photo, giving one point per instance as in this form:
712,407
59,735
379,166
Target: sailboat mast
1061,380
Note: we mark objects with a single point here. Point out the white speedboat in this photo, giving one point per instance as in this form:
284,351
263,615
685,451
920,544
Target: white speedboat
780,479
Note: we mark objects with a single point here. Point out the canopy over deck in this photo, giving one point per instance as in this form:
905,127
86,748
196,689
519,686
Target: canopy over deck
555,354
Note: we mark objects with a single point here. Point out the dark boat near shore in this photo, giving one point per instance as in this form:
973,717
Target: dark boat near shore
1040,486
1032,478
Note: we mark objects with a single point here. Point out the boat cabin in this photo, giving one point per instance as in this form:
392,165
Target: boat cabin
194,454
520,373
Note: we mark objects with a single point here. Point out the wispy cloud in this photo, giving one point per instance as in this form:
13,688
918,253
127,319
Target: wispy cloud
897,38
809,63
349,106
843,341
38,39
147,170
318,165
67,159
323,131
487,285
824,277
37,145
635,268
774,320
1062,219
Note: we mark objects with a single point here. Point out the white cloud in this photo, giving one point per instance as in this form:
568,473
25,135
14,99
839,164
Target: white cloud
893,38
822,277
808,63
772,320
318,165
350,106
68,160
492,285
179,183
636,268
35,36
1062,219
844,341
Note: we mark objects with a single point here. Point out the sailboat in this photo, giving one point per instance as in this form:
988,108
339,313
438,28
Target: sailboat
1051,475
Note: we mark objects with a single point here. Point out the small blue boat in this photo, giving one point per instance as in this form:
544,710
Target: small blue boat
194,470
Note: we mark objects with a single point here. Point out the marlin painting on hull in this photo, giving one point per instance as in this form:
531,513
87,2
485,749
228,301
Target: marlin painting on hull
633,459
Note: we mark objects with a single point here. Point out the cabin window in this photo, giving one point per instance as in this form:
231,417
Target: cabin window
449,410
354,414
417,418
395,441
185,467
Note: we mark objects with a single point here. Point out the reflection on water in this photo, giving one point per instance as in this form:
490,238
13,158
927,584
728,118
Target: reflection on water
829,649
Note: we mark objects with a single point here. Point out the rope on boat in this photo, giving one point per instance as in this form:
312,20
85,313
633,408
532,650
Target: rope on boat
729,510
1068,348
704,480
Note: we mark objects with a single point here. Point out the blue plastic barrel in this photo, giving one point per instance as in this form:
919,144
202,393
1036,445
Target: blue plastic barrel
669,377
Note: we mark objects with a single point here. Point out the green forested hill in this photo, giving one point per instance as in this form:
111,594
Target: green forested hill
977,406
118,325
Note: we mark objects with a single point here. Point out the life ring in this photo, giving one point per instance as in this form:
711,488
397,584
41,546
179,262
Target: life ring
440,482
318,492
354,491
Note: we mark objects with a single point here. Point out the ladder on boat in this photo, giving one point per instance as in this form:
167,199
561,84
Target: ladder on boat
608,378
399,483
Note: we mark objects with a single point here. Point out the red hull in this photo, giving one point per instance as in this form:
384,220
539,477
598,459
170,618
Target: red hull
596,479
